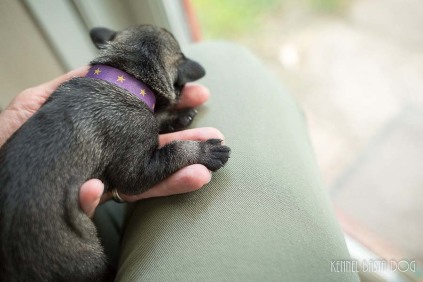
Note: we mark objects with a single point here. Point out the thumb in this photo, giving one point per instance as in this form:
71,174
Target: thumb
90,195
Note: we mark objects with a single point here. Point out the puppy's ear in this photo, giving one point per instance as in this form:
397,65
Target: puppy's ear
101,35
189,71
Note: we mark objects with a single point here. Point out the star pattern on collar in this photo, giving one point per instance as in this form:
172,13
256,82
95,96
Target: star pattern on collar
120,78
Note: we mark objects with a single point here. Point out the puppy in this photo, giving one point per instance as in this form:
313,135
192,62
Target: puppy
94,127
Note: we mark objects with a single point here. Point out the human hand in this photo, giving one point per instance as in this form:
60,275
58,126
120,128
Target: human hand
185,180
26,103
91,193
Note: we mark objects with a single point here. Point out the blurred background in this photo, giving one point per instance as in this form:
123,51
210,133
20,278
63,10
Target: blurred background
356,69
354,66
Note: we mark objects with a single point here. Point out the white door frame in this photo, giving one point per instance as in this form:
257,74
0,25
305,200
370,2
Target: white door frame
66,23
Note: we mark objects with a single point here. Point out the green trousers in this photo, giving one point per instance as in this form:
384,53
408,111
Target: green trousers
265,216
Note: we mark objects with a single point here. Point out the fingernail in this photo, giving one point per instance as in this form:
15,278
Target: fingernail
211,174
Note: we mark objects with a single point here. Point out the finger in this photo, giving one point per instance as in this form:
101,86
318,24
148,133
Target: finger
49,87
188,179
31,99
81,71
202,133
193,95
90,195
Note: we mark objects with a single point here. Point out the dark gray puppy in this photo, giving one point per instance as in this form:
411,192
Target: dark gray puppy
90,128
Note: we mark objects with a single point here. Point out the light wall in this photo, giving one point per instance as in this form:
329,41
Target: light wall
41,39
26,59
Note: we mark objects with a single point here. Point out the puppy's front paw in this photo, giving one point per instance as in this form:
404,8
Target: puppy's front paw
177,120
184,118
214,155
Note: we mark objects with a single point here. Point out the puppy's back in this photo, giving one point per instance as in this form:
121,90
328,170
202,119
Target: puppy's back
44,235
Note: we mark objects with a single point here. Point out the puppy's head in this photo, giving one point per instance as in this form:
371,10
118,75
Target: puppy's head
152,55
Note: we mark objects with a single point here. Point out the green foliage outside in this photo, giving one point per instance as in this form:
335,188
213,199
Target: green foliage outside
228,18
224,18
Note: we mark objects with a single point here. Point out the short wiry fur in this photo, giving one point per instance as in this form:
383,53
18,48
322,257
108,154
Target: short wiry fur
88,129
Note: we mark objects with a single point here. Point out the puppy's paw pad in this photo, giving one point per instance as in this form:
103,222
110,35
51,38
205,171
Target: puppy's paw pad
214,154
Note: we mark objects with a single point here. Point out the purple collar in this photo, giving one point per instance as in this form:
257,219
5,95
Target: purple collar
124,80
